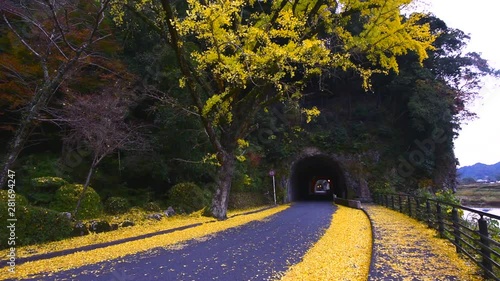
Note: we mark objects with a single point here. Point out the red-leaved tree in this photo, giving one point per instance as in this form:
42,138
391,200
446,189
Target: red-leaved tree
99,123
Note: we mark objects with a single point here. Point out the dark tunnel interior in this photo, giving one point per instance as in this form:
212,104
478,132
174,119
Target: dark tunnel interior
309,171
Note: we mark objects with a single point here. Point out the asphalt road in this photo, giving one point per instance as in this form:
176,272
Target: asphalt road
255,251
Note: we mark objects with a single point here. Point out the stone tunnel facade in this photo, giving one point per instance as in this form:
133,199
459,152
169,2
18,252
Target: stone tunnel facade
313,166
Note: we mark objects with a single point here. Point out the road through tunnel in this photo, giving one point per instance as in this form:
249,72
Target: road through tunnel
317,177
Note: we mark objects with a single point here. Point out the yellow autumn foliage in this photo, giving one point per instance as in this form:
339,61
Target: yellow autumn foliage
46,267
343,253
398,242
247,52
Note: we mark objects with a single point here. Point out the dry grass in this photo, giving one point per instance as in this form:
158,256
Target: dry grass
485,195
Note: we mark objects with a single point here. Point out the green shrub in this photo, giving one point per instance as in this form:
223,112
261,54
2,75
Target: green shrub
39,165
19,199
35,225
187,197
152,207
48,183
67,196
41,199
243,200
116,205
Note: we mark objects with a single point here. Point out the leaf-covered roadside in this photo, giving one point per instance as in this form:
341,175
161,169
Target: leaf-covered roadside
406,249
343,253
49,266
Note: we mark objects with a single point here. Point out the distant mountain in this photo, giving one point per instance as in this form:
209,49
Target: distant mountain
480,171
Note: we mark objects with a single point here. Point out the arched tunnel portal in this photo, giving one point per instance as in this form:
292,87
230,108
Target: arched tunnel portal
317,177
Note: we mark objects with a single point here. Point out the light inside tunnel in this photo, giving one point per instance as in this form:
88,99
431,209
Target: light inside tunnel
316,178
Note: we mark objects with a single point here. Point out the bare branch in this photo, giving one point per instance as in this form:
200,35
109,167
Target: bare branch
186,161
58,24
20,37
98,21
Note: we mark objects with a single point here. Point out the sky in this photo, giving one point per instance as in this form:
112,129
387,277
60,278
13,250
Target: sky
479,140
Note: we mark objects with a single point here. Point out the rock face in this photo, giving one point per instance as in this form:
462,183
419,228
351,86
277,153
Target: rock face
66,215
156,216
348,173
169,211
127,223
99,226
80,229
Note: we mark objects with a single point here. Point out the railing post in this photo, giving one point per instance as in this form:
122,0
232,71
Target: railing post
400,205
392,202
429,214
409,206
485,247
440,220
456,228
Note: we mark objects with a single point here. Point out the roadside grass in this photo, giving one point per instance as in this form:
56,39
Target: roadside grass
209,226
406,249
343,253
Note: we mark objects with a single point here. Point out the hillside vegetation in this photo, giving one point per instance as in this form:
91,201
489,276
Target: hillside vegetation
480,171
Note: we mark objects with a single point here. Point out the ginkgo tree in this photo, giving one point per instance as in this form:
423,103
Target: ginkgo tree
238,57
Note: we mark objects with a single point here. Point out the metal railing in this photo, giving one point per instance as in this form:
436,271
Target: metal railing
476,235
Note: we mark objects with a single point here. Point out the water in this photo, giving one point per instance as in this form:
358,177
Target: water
469,215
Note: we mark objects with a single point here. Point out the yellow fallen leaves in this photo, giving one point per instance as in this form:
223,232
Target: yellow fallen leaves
343,253
49,266
406,249
143,227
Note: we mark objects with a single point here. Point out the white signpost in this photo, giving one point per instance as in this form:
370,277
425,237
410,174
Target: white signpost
271,173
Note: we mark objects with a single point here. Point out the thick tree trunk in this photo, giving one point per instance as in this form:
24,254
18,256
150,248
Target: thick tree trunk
224,178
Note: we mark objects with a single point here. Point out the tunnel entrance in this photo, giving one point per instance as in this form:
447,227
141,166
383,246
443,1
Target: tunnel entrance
317,178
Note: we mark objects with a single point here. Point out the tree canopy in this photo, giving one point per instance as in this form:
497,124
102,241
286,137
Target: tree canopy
237,57
231,89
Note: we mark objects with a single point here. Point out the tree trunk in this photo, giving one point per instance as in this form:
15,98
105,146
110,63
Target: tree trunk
15,148
38,103
224,178
23,132
85,187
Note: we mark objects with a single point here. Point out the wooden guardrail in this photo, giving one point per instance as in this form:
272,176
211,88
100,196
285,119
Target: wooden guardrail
474,233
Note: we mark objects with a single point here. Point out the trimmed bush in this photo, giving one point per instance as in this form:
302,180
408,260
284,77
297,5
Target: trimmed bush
116,205
48,183
152,207
187,197
67,196
35,225
19,199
